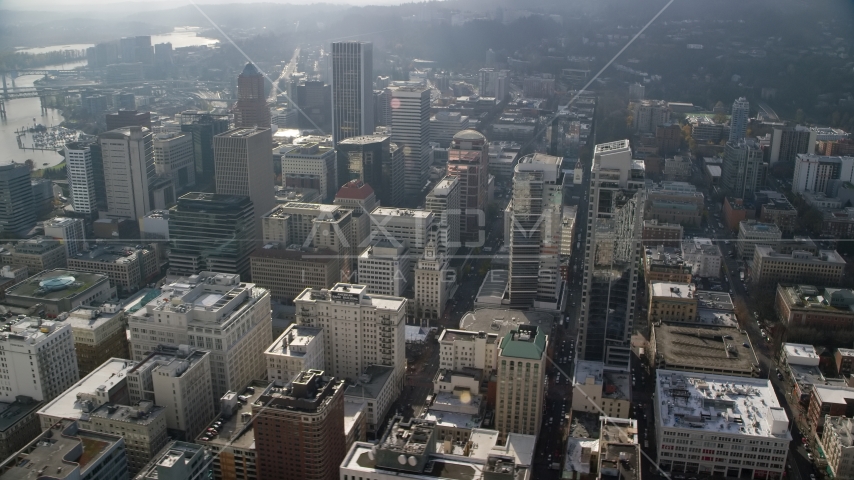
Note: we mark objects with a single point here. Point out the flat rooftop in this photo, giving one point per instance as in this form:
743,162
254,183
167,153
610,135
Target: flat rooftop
681,291
293,341
371,382
714,300
719,403
56,284
501,321
92,318
235,430
801,352
108,375
58,452
402,212
352,294
452,419
493,287
700,346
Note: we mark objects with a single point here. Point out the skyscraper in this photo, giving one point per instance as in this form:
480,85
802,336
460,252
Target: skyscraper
211,232
535,227
128,118
244,166
17,209
410,129
612,256
352,90
525,345
128,171
370,159
81,177
251,109
173,155
467,159
743,170
204,126
738,120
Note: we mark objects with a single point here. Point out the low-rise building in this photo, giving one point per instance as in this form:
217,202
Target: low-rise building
704,256
461,349
68,451
100,333
815,307
19,423
686,408
672,302
674,202
298,349
411,450
665,264
735,212
702,348
619,450
129,268
179,461
374,388
60,291
597,388
770,267
837,443
660,233
777,209
752,233
838,223
827,401
844,361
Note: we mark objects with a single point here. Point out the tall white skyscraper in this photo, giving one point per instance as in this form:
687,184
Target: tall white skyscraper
243,166
352,90
128,171
612,255
81,177
410,129
738,120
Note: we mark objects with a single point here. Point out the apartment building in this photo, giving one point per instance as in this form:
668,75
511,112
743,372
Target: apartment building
672,302
213,311
359,329
100,333
36,359
837,443
770,268
287,271
750,437
299,428
37,253
521,372
179,380
816,173
704,256
384,267
298,349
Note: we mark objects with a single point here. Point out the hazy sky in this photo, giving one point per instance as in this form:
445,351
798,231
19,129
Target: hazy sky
85,4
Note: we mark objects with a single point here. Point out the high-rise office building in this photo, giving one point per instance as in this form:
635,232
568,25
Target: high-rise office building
251,109
360,198
468,159
211,232
433,280
243,164
81,177
444,202
382,107
738,120
203,126
299,428
385,268
410,129
371,159
413,229
128,171
788,142
352,90
128,118
69,231
314,99
744,169
444,125
310,165
212,311
521,370
359,330
535,230
17,210
612,255
173,156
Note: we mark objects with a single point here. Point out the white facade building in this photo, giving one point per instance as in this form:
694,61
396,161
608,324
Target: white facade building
444,202
310,166
69,231
444,125
297,349
211,311
385,268
81,177
813,173
704,257
37,359
359,330
128,171
402,226
432,284
716,425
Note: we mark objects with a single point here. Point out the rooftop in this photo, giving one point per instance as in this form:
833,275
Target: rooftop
355,189
758,228
56,285
452,419
243,132
235,428
363,139
118,254
351,294
672,290
371,383
835,300
58,453
499,322
294,340
526,341
714,300
719,403
76,401
803,256
684,346
307,393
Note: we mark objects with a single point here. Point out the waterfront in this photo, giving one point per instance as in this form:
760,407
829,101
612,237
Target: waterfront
26,112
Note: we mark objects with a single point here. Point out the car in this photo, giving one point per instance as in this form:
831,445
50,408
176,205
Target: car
779,376
809,456
205,439
812,476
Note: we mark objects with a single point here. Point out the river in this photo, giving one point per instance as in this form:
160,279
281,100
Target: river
25,112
